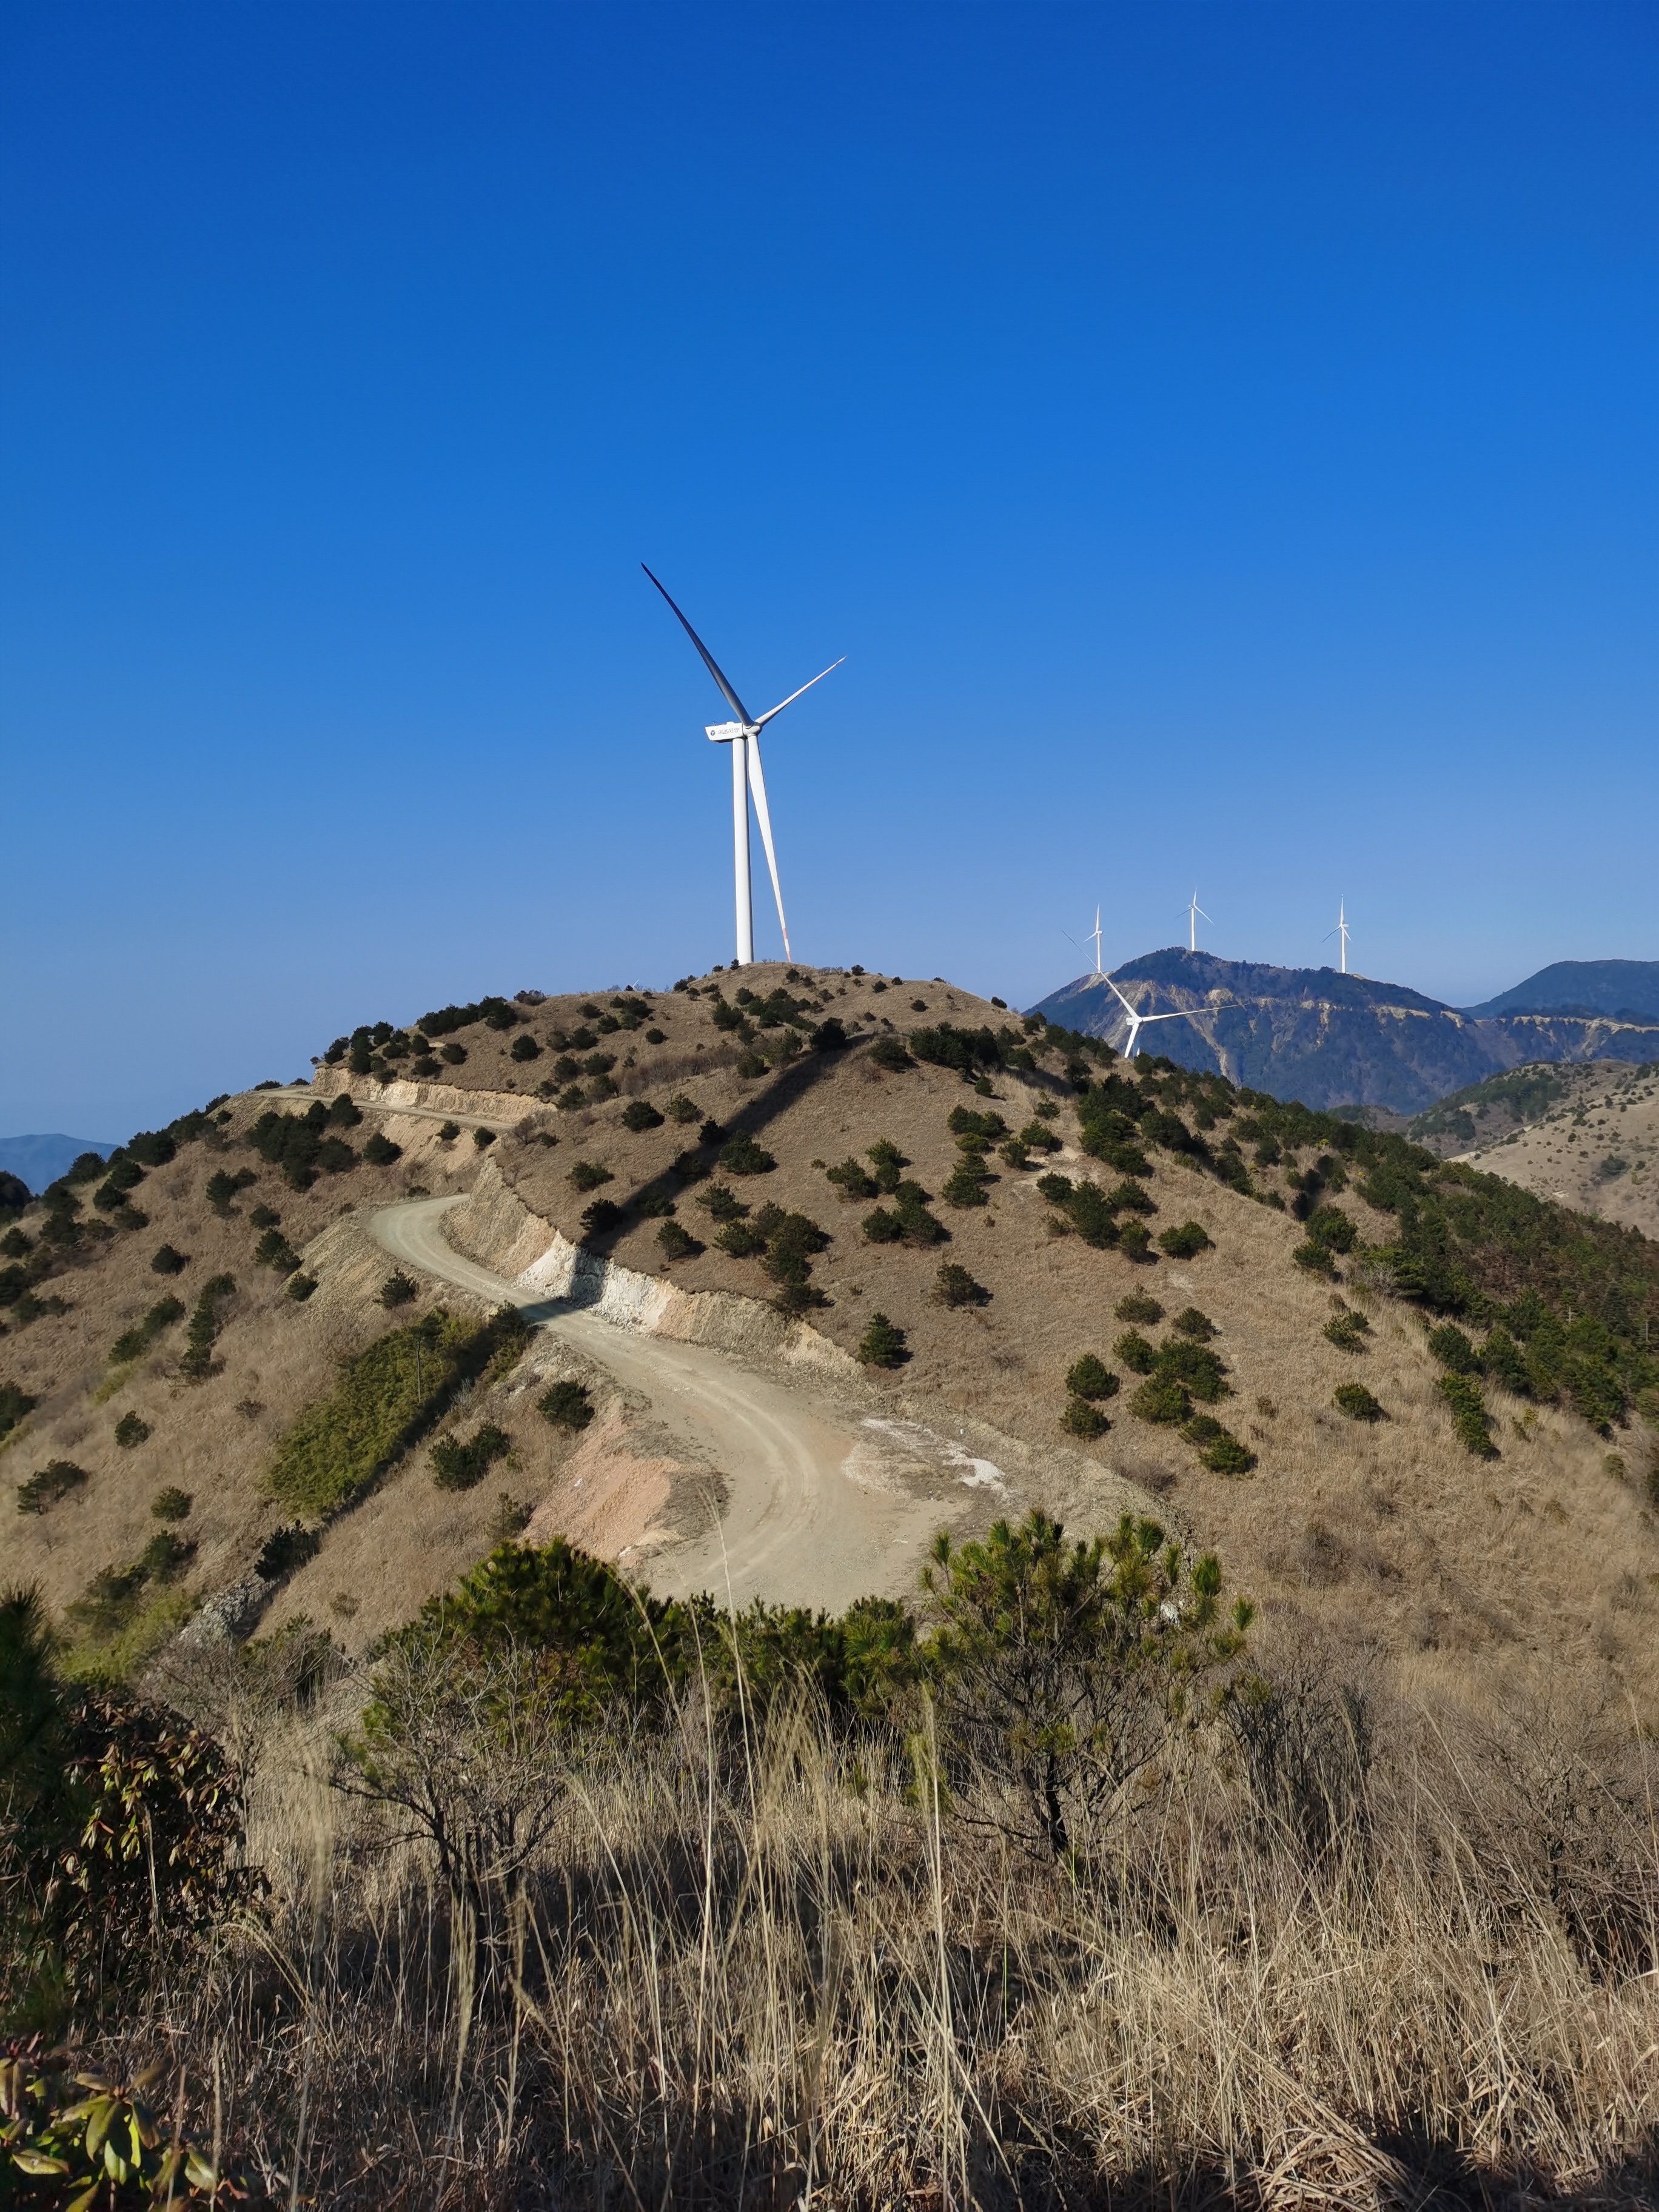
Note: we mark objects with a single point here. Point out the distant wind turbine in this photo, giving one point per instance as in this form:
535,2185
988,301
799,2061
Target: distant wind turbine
744,738
1139,1021
1341,930
1192,910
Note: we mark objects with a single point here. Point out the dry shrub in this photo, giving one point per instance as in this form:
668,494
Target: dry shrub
1319,1959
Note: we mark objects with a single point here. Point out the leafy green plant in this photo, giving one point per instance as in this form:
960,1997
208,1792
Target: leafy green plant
742,1156
1354,1400
676,1242
888,1164
966,1183
1081,1418
1453,1350
853,1178
1316,1258
883,1343
1063,1670
130,1430
1090,1377
171,1504
462,1466
1470,1419
448,1133
299,1287
1189,1321
15,1405
385,1399
1187,1242
222,1187
640,1114
286,1549
525,1048
681,1108
954,1287
133,1343
41,1491
380,1152
723,1202
587,1174
566,1405
1135,1240
888,1052
1162,1399
264,1217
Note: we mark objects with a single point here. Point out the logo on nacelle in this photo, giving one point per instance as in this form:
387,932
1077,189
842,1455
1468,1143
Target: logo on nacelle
723,734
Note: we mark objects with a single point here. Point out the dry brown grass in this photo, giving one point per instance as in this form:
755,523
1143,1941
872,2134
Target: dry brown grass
783,1977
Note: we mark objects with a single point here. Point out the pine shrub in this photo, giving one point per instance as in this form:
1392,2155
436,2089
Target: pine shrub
1347,1331
1136,1353
300,1288
1090,1377
743,1156
198,1360
130,1430
955,1286
883,1343
133,1343
853,1179
398,1289
1135,1240
448,1133
171,1504
1470,1419
483,1138
222,1187
1453,1350
458,1466
676,1242
681,1108
41,1491
966,1184
1354,1400
888,1052
565,1405
601,1216
1161,1399
1137,1307
1185,1242
1189,1321
640,1114
380,1152
525,1048
587,1174
1080,1419
723,1202
169,1261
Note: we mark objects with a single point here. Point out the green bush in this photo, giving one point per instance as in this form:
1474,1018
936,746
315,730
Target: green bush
966,1184
458,1466
1328,1225
743,1156
1354,1400
955,1286
883,1227
453,1055
380,1152
1161,1399
1226,1455
15,1405
1090,1377
654,1205
1135,1240
723,1202
133,1343
274,1250
398,1289
483,1139
883,1343
264,1217
131,1429
1080,1419
601,1217
587,1174
1136,1354
1453,1350
285,1551
299,1288
171,1504
830,1035
43,1489
525,1048
676,1242
343,1112
1195,1366
889,1163
168,1261
204,1326
1185,1242
1470,1419
1137,1307
566,1405
222,1187
854,1181
908,1221
1504,1362
890,1053
448,1133
743,1240
385,1399
1038,1137
640,1114
680,1108
1348,1330
1129,1197
1316,1258
1190,1322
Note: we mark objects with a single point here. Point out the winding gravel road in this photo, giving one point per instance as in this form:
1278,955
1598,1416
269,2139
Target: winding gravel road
818,1511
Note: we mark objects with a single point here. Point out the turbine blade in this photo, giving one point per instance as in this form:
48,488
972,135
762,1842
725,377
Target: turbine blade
794,696
727,692
1124,1003
757,784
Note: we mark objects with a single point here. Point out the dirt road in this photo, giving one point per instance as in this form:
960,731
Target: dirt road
824,1504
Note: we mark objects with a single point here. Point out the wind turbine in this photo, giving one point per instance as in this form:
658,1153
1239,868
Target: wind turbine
1192,910
1340,931
744,738
1138,1021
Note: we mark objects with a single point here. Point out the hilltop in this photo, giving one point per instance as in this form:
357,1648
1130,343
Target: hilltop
1588,1136
1625,990
1332,1040
750,1167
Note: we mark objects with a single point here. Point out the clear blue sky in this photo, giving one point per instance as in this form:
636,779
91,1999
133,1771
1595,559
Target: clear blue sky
1221,440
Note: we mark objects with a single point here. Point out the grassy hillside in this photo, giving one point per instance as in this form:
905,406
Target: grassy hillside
1586,1137
1005,1195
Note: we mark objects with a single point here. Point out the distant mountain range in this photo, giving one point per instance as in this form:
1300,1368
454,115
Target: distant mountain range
1333,1040
37,1161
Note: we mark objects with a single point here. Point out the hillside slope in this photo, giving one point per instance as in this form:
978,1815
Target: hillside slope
1391,1532
1588,1136
1333,1040
1627,990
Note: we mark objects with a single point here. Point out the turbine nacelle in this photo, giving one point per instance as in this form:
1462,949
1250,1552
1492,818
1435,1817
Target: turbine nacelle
727,733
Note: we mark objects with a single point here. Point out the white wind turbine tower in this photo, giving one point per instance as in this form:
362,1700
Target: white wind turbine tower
1095,934
1192,910
744,738
1340,931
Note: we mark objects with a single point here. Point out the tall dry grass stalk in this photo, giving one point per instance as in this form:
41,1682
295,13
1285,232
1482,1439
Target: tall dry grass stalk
793,1977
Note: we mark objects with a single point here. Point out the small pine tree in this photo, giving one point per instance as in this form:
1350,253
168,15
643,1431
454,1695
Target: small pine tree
1090,1377
1354,1400
1187,1242
171,1504
1137,1307
131,1429
676,1242
883,1343
955,1286
566,1405
1080,1419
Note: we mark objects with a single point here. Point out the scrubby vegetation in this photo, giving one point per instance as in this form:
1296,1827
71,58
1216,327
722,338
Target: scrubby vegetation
883,1343
40,1491
135,1342
197,1361
566,1405
458,1465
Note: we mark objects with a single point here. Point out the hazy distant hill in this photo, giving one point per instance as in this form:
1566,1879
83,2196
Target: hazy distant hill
1628,990
1334,1039
37,1161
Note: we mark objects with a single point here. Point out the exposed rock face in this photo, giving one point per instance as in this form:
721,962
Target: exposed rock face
1329,1039
233,1615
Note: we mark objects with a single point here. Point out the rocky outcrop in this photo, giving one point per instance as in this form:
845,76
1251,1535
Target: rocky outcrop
495,1227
